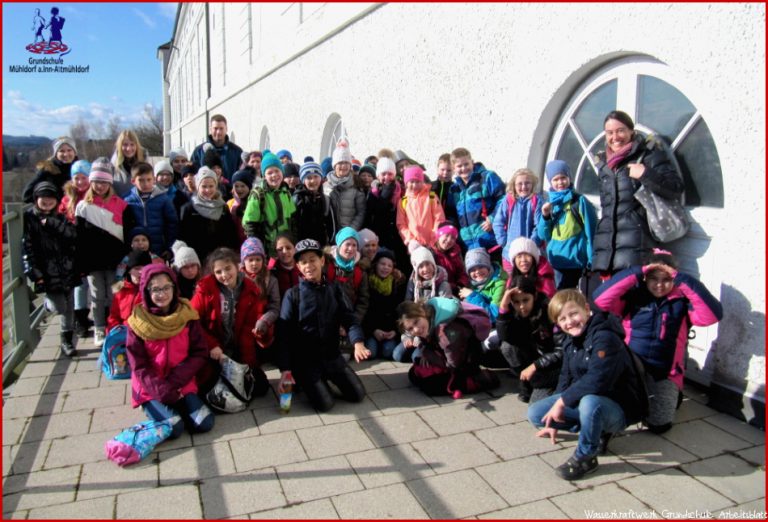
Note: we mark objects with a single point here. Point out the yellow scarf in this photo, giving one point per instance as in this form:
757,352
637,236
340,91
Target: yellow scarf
154,327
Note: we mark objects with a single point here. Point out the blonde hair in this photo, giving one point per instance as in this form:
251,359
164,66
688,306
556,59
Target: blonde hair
522,172
88,198
561,298
130,135
460,152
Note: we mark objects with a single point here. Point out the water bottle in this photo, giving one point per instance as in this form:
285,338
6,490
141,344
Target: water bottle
285,397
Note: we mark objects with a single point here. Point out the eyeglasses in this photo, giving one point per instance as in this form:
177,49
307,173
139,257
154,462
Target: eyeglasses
161,289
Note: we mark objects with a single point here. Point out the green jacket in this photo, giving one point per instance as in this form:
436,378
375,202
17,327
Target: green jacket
269,212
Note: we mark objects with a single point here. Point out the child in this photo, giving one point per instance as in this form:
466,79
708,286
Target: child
55,169
527,340
128,152
253,263
102,219
419,212
343,267
188,269
595,392
229,305
166,348
205,221
449,350
292,179
188,173
164,182
525,259
381,211
314,213
48,249
519,212
153,210
138,239
242,181
127,290
178,158
567,225
212,160
486,285
365,176
659,305
370,244
386,292
441,186
428,280
347,199
310,318
270,209
448,255
285,270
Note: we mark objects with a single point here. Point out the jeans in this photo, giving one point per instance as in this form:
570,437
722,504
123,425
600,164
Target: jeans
81,295
385,348
191,410
593,416
100,283
409,354
62,304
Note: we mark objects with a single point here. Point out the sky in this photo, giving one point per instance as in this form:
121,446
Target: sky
118,41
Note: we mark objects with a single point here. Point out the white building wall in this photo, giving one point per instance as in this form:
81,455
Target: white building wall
426,78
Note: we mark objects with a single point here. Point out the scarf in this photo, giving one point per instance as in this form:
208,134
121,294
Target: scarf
614,158
559,198
334,181
151,327
382,286
345,264
393,192
420,286
208,208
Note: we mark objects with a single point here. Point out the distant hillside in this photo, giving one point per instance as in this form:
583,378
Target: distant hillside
25,142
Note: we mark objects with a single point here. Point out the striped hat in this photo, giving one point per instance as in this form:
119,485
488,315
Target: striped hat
310,167
101,170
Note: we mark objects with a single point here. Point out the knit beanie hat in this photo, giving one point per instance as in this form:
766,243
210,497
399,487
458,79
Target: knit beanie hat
80,167
446,228
383,252
283,153
477,257
310,167
270,160
291,170
245,176
212,159
188,169
205,172
137,231
327,166
244,156
341,153
177,152
101,170
367,235
413,173
522,245
163,166
368,168
347,233
556,167
252,246
46,189
137,258
421,255
64,140
385,165
183,255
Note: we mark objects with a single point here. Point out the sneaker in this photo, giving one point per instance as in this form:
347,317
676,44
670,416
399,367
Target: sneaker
575,468
98,337
605,438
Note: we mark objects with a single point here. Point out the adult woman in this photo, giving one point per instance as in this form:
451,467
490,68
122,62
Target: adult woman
629,161
128,152
56,169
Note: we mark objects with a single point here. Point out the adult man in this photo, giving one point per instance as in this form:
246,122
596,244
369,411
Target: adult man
228,151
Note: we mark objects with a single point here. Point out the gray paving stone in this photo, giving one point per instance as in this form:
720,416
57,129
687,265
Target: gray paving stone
94,398
269,400
736,427
199,462
6,460
513,441
672,492
75,381
100,509
391,430
374,365
70,451
754,455
318,510
336,439
30,386
455,495
748,510
511,480
605,501
610,468
46,354
454,452
29,457
302,415
16,515
182,501
58,425
730,476
13,430
542,509
185,441
390,465
106,479
504,410
266,451
229,426
344,411
41,488
393,402
458,418
393,501
240,494
395,378
691,410
471,399
649,452
44,368
703,439
318,479
115,418
372,383
30,406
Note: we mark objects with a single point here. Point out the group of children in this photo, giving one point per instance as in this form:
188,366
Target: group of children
451,277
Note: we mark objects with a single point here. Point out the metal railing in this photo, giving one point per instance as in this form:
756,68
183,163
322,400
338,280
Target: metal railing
24,334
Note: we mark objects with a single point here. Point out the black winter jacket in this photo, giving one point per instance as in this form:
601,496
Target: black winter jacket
97,249
204,235
623,238
49,251
51,170
315,217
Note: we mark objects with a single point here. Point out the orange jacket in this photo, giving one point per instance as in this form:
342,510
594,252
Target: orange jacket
418,216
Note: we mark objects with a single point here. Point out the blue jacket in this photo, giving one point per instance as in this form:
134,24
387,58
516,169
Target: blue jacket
229,153
569,243
158,216
484,187
521,221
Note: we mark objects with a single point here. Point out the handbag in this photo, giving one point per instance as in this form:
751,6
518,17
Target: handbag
234,389
667,219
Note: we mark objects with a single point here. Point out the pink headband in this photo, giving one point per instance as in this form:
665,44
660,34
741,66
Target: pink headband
447,229
662,251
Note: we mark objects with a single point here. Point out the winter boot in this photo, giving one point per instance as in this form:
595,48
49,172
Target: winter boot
82,323
67,348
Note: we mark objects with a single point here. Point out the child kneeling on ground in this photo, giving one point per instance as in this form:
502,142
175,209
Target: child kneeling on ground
597,393
166,347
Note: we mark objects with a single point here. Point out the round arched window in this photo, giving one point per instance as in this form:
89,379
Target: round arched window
645,90
333,132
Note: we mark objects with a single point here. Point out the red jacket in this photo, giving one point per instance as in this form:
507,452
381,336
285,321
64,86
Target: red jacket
249,308
122,304
453,262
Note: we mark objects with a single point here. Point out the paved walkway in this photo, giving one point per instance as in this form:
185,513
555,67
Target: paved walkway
398,454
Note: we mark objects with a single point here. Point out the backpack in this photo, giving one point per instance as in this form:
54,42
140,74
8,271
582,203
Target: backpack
574,211
477,318
114,355
133,444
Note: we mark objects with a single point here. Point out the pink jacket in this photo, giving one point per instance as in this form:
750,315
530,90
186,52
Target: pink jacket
418,216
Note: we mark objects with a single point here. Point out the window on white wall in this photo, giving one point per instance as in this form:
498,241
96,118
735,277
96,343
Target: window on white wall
334,131
645,90
264,139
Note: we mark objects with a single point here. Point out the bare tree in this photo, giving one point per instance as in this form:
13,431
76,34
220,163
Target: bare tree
150,130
